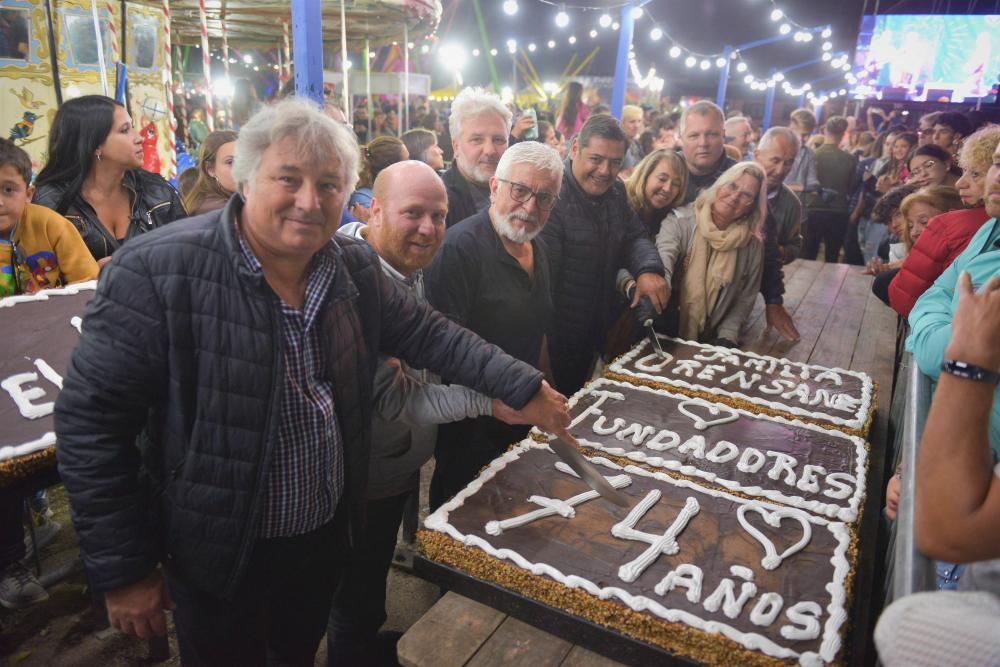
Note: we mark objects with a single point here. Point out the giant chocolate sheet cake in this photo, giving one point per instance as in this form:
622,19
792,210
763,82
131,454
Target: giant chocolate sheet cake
739,542
43,330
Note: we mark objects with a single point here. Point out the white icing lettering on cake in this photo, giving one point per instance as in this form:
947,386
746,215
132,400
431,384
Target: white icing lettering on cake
741,377
741,572
653,363
809,482
77,323
23,397
836,614
695,445
844,484
777,386
595,407
686,367
686,575
799,391
48,372
772,559
729,415
766,610
758,364
657,441
601,429
725,596
637,432
725,355
723,452
831,375
708,372
751,460
553,506
659,544
805,615
783,463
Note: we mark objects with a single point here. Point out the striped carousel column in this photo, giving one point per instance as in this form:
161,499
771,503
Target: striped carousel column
206,64
225,69
168,84
286,72
113,29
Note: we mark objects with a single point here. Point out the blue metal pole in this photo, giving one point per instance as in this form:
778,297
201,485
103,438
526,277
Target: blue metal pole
621,62
769,104
307,44
720,94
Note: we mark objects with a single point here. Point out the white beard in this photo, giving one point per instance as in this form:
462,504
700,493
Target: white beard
517,235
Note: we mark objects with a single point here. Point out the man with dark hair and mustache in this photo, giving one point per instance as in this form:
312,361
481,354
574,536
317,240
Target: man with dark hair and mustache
479,126
593,233
492,277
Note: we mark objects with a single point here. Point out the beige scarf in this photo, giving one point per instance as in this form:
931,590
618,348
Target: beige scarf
710,266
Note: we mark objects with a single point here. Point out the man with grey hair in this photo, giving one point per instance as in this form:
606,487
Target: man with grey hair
226,436
739,133
703,142
479,126
492,277
782,226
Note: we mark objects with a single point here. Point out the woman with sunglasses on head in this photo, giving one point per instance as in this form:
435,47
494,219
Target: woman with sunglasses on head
94,177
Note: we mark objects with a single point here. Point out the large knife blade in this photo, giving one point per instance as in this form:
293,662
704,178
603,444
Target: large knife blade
646,315
587,471
654,341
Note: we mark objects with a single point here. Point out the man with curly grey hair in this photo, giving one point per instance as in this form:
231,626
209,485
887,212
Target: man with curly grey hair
479,126
216,419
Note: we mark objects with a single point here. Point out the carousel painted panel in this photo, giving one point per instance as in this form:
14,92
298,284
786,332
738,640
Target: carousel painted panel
27,96
146,72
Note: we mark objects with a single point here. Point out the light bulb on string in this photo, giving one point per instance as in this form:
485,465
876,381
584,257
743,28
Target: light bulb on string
615,26
493,52
510,7
827,46
690,61
475,53
826,33
604,21
741,67
572,39
776,15
552,44
675,51
593,33
785,29
532,47
636,13
562,19
655,34
704,64
720,62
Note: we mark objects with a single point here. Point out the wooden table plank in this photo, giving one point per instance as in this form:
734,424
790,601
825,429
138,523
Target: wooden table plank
835,346
875,354
517,644
758,308
581,657
449,633
797,285
810,316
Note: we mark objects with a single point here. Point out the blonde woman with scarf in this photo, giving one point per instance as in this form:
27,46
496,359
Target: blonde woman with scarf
713,252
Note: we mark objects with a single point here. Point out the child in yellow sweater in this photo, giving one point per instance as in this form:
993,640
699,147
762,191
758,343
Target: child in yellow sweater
38,247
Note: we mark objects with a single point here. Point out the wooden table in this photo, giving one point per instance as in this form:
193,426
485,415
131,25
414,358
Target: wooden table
842,324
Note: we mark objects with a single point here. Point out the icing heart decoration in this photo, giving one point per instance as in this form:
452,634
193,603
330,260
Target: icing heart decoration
771,559
700,423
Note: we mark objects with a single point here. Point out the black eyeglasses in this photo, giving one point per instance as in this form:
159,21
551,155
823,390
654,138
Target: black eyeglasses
523,194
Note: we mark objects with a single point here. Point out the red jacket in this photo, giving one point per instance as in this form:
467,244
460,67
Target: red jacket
944,239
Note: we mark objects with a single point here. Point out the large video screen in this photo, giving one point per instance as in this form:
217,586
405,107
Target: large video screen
921,57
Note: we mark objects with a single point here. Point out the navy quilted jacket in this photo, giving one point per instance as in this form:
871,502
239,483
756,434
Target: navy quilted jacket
181,354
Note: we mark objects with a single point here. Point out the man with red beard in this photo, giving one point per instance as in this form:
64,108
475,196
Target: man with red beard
492,277
479,125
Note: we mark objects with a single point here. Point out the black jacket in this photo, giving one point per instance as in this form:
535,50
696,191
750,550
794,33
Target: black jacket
464,200
699,182
587,241
182,350
154,204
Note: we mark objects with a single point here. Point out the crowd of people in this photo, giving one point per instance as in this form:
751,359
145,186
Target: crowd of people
243,423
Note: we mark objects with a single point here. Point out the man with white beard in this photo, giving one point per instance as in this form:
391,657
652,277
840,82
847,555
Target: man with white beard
479,126
492,276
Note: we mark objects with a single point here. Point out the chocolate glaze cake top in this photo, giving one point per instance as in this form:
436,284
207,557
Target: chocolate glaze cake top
838,396
791,462
782,565
37,348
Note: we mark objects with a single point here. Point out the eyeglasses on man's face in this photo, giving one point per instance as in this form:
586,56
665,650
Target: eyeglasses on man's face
923,169
523,194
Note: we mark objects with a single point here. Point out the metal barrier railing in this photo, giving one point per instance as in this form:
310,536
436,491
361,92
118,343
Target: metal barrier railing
912,572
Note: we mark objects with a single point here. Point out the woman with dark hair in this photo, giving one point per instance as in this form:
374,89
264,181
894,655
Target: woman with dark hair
423,145
378,154
215,184
895,171
94,178
573,113
931,165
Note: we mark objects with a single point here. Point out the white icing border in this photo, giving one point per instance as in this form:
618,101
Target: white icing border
43,295
49,439
831,510
857,422
836,614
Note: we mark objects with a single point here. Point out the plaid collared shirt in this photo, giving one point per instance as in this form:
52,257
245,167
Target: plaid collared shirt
306,477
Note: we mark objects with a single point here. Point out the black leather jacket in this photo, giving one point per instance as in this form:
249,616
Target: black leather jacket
154,204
